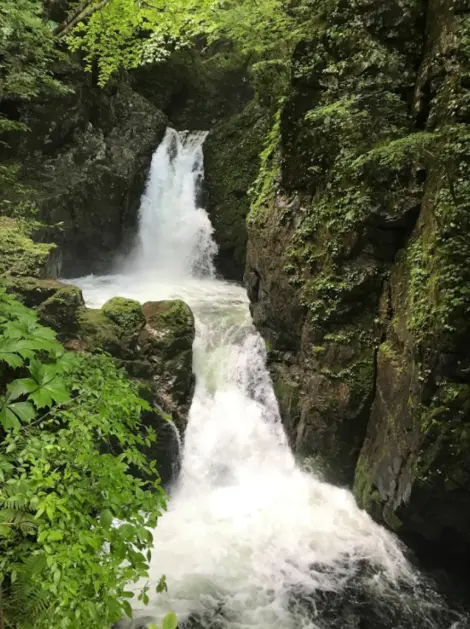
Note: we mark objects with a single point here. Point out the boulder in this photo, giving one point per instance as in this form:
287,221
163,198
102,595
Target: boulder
166,342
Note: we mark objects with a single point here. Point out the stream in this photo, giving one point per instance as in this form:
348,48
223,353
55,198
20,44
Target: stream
249,539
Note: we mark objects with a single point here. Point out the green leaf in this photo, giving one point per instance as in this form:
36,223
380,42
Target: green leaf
170,621
8,419
36,369
9,353
36,563
127,608
106,518
50,390
128,594
20,387
41,398
25,411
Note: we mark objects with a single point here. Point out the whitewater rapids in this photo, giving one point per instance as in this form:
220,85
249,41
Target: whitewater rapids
249,541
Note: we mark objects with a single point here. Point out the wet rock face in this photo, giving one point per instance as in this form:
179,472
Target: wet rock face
87,160
357,268
231,162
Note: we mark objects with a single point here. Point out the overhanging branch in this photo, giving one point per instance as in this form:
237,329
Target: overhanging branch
84,10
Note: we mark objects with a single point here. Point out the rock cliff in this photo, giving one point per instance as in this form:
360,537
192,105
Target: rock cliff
357,263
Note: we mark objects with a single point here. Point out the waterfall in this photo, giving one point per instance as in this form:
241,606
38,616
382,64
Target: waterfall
250,541
175,235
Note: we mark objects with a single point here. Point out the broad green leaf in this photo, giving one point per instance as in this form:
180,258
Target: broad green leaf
25,411
36,369
106,518
127,608
128,594
9,353
41,398
8,419
20,387
170,621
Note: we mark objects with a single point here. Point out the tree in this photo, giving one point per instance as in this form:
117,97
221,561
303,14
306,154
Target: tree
28,53
128,33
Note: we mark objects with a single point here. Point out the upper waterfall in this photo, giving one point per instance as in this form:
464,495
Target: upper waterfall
175,234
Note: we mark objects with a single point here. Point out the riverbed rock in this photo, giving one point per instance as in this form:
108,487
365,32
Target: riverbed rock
166,343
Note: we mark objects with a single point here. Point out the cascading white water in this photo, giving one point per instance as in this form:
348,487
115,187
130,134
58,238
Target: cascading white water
249,540
174,240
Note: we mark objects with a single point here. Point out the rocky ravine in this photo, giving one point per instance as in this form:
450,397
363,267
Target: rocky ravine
358,266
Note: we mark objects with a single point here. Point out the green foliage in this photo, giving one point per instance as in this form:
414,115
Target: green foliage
128,33
263,191
28,53
74,523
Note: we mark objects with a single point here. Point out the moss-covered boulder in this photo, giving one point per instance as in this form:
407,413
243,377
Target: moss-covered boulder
33,291
21,256
169,327
97,332
127,314
60,310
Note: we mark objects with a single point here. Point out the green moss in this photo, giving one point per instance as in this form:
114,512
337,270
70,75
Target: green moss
100,333
366,494
59,311
126,313
19,255
171,324
263,192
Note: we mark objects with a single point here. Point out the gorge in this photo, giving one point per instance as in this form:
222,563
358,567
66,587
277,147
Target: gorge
249,538
266,232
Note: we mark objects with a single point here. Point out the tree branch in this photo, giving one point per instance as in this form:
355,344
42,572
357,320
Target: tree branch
85,9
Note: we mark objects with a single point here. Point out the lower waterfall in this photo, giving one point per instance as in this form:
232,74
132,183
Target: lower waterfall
249,540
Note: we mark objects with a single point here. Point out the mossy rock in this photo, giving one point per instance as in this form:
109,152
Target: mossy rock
99,333
228,179
21,256
60,310
169,327
32,291
126,313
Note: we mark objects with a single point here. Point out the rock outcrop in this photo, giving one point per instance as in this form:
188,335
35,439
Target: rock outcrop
231,163
358,264
86,162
